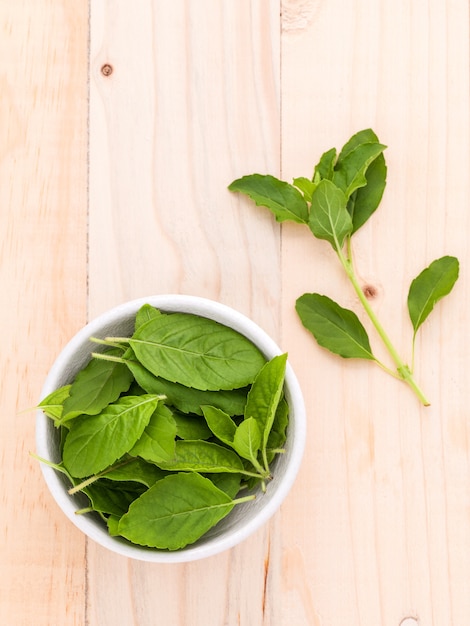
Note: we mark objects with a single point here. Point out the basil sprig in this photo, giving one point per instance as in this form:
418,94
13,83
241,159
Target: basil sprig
163,429
343,193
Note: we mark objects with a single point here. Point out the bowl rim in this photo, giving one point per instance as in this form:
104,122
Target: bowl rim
173,303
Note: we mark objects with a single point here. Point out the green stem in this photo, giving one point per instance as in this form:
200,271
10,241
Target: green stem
107,357
402,369
413,345
84,484
106,342
265,460
244,499
88,509
263,471
91,479
56,466
118,340
261,474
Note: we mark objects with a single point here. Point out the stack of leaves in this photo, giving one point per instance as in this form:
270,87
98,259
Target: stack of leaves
162,430
343,193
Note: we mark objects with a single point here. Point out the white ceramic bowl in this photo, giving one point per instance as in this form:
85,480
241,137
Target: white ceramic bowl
245,518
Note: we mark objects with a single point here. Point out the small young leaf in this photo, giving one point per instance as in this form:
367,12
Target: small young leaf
175,512
157,442
329,218
350,171
306,186
221,424
202,456
247,440
278,434
337,329
95,442
364,201
97,385
284,200
113,525
53,404
265,395
435,282
144,314
325,167
63,432
363,136
196,352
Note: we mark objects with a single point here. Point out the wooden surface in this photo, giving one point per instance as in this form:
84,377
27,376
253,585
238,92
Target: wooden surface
113,186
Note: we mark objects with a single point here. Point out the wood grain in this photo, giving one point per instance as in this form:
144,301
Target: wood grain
191,104
198,86
123,125
387,480
43,52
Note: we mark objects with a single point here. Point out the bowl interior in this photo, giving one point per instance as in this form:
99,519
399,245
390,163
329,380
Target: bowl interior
245,518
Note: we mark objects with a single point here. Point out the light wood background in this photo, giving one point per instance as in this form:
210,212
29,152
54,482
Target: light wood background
113,186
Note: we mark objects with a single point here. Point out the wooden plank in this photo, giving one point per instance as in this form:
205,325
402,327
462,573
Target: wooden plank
384,531
43,52
376,529
191,104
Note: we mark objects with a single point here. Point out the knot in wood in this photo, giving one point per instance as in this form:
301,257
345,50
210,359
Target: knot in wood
107,69
370,291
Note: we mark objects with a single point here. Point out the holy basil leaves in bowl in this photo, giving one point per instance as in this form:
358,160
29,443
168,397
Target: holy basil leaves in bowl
170,428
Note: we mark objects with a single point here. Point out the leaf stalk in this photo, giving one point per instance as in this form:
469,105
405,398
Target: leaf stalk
404,372
244,499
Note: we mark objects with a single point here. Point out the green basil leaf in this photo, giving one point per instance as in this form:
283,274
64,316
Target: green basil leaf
157,442
227,482
175,512
95,442
283,200
196,352
329,218
191,426
113,525
265,395
136,390
435,282
63,432
53,404
325,167
248,439
97,385
337,329
350,171
137,470
306,186
113,498
363,136
202,456
221,424
187,399
144,314
277,436
364,201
